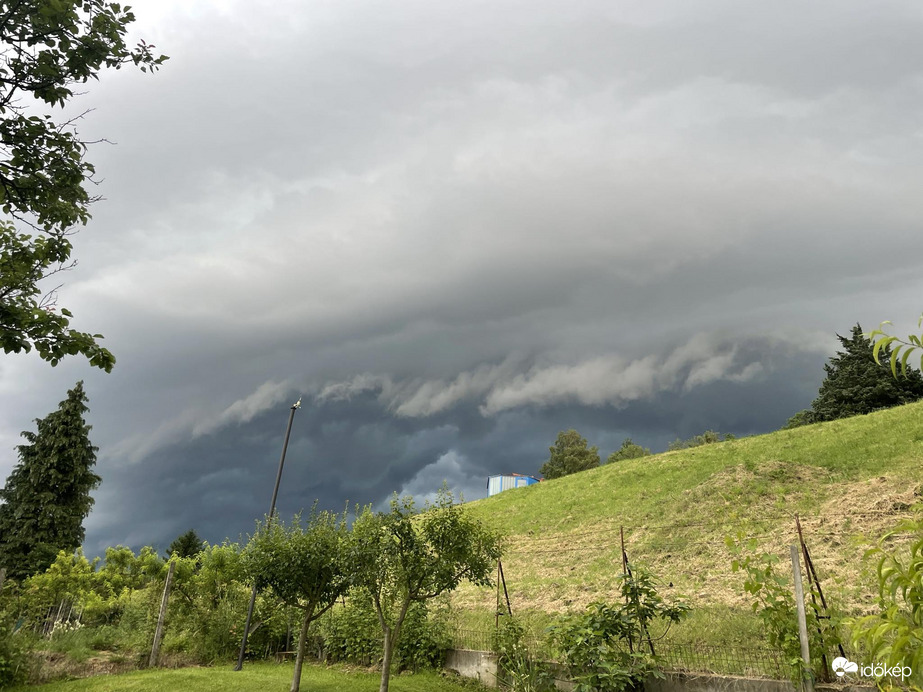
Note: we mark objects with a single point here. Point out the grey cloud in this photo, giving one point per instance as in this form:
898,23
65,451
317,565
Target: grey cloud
636,219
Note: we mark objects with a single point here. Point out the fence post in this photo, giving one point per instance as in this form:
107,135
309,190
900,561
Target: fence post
158,633
807,677
2,577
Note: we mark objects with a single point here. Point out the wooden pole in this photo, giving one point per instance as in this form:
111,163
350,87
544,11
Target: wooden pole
509,609
2,577
631,647
158,633
808,672
497,610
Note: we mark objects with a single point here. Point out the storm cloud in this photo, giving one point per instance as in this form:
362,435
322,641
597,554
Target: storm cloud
455,229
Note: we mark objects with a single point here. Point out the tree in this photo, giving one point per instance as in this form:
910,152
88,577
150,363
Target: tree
857,384
47,495
628,450
569,454
48,47
404,557
709,437
304,565
186,545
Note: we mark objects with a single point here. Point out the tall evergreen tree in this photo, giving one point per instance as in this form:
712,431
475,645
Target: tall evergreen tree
856,384
186,545
47,495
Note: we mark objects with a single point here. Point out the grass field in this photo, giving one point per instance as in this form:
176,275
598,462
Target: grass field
849,480
265,677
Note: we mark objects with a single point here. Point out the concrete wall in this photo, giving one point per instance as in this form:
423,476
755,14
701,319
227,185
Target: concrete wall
482,666
688,682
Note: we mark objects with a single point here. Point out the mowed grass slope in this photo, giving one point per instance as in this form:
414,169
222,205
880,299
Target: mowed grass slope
848,480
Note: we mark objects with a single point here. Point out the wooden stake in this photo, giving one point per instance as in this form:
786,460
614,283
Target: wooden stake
158,633
497,609
509,610
808,672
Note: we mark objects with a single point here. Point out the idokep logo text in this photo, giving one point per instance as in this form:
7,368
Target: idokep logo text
841,666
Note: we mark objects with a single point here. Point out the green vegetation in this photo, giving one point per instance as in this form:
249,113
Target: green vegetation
610,648
709,437
570,454
47,495
628,450
253,678
900,349
856,383
402,557
185,545
305,565
49,49
850,480
894,636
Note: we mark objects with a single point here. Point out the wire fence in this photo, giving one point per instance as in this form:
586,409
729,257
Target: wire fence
754,662
723,660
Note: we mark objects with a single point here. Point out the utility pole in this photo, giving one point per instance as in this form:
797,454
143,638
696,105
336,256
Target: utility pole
272,510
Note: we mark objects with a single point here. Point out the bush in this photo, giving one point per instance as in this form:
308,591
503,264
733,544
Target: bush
767,580
894,637
424,638
351,633
518,669
607,648
706,438
15,659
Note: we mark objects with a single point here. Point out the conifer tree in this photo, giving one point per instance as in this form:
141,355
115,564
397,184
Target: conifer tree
47,495
856,384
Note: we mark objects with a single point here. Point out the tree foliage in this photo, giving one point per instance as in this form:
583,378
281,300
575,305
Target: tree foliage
304,564
402,557
48,48
186,545
896,350
47,495
709,437
628,450
894,636
857,384
570,454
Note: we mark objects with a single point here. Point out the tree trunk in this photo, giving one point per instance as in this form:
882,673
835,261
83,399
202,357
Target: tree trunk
391,635
388,646
299,657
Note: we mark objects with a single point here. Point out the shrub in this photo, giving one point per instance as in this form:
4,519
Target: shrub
518,668
894,637
424,639
14,652
774,603
351,633
608,649
706,438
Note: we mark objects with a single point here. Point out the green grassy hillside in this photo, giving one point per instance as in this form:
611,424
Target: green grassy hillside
848,480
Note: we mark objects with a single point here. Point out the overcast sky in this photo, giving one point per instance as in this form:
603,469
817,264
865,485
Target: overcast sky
456,228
